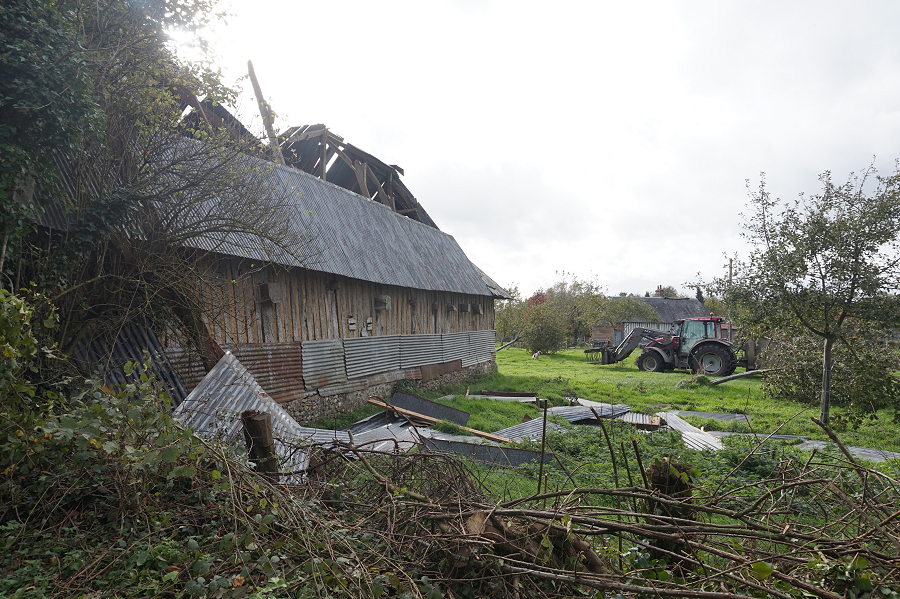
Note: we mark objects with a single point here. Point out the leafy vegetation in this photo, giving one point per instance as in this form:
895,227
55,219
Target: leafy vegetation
825,266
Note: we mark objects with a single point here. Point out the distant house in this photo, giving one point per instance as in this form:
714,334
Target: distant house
668,310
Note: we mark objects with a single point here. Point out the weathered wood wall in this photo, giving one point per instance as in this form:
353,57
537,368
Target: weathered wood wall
251,303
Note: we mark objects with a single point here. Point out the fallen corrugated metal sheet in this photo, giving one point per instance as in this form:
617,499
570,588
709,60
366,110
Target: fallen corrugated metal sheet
133,343
370,355
580,413
323,363
693,437
528,430
503,456
418,350
642,421
214,407
429,408
383,432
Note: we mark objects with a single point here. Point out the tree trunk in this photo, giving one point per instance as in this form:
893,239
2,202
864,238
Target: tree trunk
826,380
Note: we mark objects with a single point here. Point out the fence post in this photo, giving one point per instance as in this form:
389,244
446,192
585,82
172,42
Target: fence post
260,442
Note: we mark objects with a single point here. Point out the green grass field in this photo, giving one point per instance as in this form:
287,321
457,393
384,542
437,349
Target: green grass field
567,374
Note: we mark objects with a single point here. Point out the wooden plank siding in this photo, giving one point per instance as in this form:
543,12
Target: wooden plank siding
304,305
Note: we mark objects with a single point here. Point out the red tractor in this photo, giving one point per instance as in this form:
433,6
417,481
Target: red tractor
697,344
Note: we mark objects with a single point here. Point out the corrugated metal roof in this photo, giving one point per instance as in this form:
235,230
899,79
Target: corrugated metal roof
343,232
214,407
359,238
323,363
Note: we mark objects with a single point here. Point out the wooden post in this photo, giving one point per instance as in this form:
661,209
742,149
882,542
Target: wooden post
260,443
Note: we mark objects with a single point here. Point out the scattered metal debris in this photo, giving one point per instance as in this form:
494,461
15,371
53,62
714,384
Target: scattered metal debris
693,437
214,408
433,409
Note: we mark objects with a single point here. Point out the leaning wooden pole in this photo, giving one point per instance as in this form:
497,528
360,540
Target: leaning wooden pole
266,112
260,442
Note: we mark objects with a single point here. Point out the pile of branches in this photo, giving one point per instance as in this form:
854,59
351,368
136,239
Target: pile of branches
822,527
114,498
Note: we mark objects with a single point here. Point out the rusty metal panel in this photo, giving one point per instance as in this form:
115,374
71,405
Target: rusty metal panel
214,408
371,355
323,363
418,350
278,367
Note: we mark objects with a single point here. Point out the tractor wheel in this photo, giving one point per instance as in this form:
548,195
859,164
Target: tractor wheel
713,359
651,362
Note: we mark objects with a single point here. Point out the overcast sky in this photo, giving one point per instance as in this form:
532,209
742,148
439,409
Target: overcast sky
610,140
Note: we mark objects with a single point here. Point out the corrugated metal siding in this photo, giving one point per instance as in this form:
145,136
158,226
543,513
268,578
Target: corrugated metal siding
456,346
187,364
323,363
277,366
483,345
370,355
418,350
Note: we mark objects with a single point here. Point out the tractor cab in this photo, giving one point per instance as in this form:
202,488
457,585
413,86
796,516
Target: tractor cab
691,331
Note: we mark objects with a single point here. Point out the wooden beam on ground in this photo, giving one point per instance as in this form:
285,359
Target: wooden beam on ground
416,416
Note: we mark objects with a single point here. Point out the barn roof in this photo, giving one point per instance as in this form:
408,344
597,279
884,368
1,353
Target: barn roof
671,309
358,238
343,234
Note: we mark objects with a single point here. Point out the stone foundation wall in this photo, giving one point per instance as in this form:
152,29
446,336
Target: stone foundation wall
328,402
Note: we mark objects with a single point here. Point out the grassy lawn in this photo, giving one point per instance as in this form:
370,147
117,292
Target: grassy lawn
568,374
